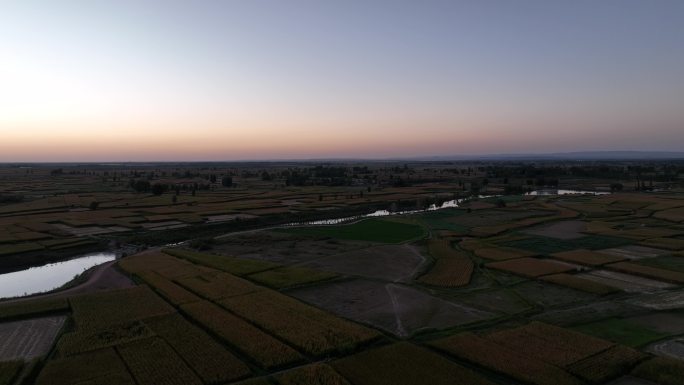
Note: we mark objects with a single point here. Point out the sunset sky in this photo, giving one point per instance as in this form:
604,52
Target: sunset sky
227,80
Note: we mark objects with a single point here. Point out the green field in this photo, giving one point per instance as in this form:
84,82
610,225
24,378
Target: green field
444,220
621,331
672,263
372,230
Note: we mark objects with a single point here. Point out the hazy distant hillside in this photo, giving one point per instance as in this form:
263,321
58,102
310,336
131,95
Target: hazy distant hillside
580,155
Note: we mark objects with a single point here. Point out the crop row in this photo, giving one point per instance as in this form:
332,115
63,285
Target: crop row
237,266
531,267
606,365
100,310
551,344
284,277
648,271
319,374
493,356
502,253
9,371
661,370
162,264
405,364
587,257
102,367
264,349
154,362
216,285
172,292
441,248
89,340
211,361
29,308
449,272
579,283
306,327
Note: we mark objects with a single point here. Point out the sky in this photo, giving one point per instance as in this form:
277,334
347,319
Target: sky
171,80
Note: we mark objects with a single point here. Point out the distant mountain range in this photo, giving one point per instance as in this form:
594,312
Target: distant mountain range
579,155
559,156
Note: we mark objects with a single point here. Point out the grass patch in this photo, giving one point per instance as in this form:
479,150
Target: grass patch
666,262
237,266
621,331
443,220
9,370
404,363
290,276
372,230
663,370
33,307
19,248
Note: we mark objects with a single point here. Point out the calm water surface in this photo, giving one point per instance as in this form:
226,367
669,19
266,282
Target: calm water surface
49,277
566,192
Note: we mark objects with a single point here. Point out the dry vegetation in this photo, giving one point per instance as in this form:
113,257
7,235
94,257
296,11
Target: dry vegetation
153,361
587,257
212,363
405,364
488,354
313,331
451,268
579,283
262,348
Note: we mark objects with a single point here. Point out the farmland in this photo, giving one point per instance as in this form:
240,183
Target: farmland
515,289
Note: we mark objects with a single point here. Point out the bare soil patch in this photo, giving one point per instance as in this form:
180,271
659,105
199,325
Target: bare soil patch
398,309
635,252
668,322
627,282
673,348
660,301
587,313
629,380
28,339
394,263
560,230
283,248
532,267
549,295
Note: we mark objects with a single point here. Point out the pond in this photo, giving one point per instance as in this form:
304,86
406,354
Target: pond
48,277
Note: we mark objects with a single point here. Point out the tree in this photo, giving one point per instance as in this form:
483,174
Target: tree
140,185
616,187
227,181
212,178
158,189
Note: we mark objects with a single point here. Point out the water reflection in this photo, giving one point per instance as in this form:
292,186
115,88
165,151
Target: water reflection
48,277
566,192
381,213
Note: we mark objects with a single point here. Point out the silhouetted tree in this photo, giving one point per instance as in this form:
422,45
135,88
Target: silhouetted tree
158,189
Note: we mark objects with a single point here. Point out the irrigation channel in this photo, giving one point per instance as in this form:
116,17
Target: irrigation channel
39,279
